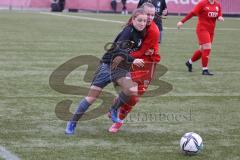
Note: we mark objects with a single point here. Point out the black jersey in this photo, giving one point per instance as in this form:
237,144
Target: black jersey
128,34
159,5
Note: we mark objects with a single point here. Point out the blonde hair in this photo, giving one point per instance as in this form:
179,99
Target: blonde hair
147,4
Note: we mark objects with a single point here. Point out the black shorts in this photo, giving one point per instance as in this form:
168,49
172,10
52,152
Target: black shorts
123,70
102,76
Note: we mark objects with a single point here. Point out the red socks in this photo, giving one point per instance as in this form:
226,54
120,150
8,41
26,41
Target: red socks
196,56
204,54
126,108
205,57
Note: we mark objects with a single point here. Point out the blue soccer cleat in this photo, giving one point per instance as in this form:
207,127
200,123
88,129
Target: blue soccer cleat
70,127
114,115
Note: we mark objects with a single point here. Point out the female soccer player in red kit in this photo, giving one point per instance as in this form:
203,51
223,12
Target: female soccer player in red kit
208,11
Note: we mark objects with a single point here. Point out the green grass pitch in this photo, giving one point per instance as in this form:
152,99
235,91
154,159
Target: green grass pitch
33,45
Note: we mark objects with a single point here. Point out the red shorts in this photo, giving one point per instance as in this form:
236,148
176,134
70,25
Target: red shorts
143,76
204,37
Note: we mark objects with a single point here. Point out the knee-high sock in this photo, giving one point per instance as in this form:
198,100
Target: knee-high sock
122,99
126,108
196,56
80,110
205,57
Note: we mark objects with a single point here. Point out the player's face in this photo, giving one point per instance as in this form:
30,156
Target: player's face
150,14
139,22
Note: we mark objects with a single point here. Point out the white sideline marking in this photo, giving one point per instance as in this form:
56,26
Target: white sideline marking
122,22
5,154
81,17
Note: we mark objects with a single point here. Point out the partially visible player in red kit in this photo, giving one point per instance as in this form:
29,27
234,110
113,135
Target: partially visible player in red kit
142,75
208,11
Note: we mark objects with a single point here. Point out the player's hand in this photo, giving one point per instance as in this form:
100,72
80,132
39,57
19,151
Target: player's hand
221,18
179,24
149,52
165,12
138,62
116,61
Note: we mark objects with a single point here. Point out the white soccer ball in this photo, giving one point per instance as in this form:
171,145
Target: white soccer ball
191,143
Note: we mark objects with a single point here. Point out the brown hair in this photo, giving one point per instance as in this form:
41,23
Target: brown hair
135,13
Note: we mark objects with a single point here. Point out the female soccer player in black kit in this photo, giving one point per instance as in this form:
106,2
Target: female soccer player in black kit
161,9
114,67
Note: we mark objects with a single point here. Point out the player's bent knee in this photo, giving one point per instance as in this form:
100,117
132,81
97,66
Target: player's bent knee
130,91
201,48
91,99
133,91
207,46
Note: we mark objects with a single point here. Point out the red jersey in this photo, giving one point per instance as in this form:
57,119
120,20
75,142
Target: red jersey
207,14
150,41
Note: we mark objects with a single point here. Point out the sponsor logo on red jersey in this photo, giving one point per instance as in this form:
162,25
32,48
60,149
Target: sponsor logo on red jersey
212,14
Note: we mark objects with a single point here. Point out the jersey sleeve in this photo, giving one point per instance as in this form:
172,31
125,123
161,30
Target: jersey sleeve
187,17
151,39
196,10
220,10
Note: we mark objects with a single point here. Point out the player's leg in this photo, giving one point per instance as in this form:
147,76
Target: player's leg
142,77
198,53
196,56
101,79
84,104
205,58
124,8
82,107
123,112
129,88
204,40
126,108
206,46
160,36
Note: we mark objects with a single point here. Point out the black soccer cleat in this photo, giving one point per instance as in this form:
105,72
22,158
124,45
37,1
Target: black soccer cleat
189,66
207,73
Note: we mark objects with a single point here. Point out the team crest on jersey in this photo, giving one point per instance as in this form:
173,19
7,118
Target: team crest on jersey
217,9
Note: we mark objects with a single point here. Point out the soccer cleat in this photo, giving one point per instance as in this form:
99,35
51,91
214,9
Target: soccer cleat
189,66
206,73
70,127
115,127
114,115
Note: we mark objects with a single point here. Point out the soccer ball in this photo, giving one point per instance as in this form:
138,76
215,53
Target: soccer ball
191,143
